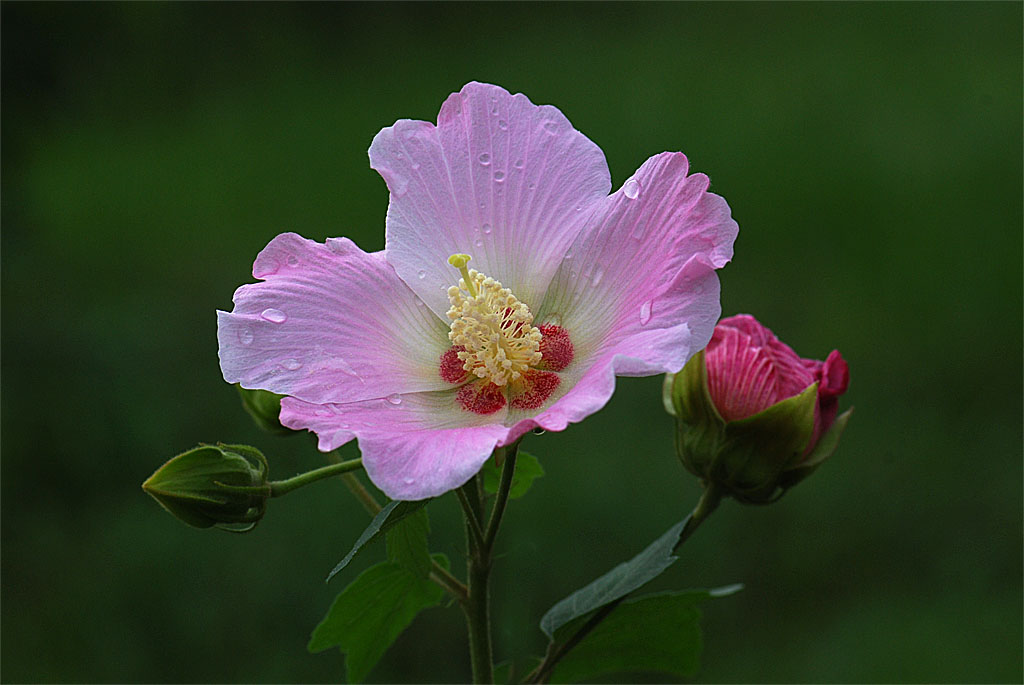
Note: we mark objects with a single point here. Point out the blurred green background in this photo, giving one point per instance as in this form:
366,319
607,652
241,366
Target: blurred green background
871,154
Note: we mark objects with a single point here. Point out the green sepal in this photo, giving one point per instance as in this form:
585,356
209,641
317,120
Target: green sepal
528,469
370,614
826,446
655,634
265,409
213,485
699,427
757,449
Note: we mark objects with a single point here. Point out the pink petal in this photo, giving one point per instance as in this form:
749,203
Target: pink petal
499,178
643,267
414,446
329,323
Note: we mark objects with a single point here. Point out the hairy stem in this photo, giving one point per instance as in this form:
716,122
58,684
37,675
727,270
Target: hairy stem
283,487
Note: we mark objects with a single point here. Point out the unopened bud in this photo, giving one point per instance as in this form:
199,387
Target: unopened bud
751,415
213,485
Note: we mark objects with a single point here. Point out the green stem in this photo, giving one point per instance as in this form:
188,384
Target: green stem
283,487
477,606
708,502
471,509
507,472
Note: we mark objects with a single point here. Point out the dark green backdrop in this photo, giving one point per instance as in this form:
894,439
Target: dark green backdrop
871,154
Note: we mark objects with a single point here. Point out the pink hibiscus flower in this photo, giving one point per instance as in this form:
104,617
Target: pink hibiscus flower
431,365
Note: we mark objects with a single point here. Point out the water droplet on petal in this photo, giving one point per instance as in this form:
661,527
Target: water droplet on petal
408,481
518,164
486,229
631,189
245,336
291,364
499,176
322,412
264,267
421,274
645,312
484,158
598,275
394,398
532,186
293,260
502,124
551,127
274,316
478,242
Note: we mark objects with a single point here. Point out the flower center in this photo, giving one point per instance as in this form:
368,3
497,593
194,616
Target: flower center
491,330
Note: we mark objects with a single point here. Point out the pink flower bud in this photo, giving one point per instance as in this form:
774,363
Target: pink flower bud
751,415
749,370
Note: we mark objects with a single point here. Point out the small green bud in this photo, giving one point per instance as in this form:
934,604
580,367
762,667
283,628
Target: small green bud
213,485
265,409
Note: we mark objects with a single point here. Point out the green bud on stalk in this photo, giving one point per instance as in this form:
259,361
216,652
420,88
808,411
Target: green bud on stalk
214,485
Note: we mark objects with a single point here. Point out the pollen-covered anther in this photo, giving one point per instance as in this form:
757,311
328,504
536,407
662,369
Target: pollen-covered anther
491,330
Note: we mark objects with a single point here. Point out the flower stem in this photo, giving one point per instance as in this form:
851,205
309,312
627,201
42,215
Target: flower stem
283,487
507,472
477,607
708,502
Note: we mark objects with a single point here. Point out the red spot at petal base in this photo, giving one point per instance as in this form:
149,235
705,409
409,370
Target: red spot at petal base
537,387
481,397
555,347
451,366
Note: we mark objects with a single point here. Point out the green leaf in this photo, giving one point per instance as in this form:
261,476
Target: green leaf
389,516
372,612
527,470
408,545
618,582
264,407
658,633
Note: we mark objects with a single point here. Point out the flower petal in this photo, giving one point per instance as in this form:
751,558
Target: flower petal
498,178
414,446
647,255
691,303
329,323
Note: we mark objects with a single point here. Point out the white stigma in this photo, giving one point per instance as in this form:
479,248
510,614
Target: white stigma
492,326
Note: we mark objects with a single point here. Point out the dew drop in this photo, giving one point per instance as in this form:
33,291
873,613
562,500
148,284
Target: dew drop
551,126
398,185
291,364
245,336
274,316
408,481
415,166
478,242
486,228
532,186
322,412
265,267
645,312
518,164
631,189
394,399
499,176
293,260
598,275
484,158
502,124
421,274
